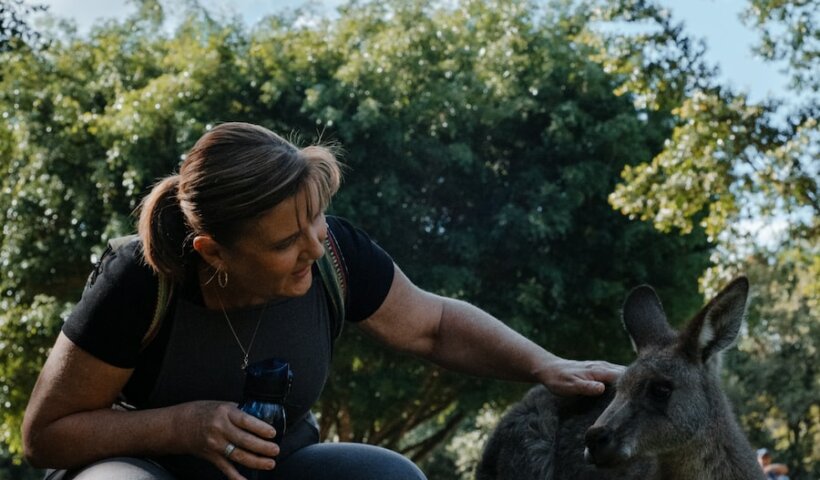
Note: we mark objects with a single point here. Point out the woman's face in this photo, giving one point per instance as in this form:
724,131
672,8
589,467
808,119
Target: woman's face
273,257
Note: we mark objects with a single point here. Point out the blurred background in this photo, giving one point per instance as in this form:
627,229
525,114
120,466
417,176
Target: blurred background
538,159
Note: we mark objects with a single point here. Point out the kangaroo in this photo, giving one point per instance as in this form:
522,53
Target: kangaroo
666,418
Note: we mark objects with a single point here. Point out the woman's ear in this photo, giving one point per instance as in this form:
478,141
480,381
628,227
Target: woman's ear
210,251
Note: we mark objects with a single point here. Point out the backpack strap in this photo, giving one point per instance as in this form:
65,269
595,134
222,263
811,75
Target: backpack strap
333,271
117,242
165,289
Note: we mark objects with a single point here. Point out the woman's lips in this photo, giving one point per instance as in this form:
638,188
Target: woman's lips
302,273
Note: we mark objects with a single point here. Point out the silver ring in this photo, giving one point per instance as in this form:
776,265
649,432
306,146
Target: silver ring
229,448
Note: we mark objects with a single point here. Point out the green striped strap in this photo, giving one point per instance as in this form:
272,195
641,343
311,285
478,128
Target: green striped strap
164,291
334,278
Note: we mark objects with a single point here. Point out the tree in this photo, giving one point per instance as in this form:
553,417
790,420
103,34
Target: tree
482,141
479,167
774,368
788,32
15,31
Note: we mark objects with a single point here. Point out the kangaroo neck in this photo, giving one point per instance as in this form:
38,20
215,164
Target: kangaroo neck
726,455
725,468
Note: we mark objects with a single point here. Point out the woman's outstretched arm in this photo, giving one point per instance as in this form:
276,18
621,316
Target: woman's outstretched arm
462,337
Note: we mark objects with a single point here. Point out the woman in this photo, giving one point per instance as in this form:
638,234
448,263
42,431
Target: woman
237,232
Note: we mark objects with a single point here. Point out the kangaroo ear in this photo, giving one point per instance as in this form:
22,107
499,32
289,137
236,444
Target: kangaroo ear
716,326
644,319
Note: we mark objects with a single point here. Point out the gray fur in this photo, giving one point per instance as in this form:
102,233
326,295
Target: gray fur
667,418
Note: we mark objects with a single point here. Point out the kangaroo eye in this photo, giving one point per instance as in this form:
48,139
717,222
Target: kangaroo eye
660,390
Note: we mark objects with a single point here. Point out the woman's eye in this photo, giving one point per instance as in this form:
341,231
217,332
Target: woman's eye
284,244
660,391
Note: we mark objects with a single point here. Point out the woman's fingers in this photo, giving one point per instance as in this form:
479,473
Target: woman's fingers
251,424
249,442
605,372
251,460
569,377
253,441
228,469
224,434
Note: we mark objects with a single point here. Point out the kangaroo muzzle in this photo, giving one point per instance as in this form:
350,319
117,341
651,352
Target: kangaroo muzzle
601,448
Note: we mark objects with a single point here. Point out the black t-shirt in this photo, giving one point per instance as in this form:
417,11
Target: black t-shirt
115,311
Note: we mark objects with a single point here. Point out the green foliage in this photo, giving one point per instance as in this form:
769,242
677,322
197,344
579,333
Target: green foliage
482,140
659,64
26,334
15,30
718,158
789,31
775,371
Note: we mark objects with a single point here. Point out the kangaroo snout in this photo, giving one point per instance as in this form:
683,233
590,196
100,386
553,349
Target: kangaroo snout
601,448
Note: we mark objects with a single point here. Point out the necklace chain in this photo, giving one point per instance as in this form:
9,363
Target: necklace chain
245,352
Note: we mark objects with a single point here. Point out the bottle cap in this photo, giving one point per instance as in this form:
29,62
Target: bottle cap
268,380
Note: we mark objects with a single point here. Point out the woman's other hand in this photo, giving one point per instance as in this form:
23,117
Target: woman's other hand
208,428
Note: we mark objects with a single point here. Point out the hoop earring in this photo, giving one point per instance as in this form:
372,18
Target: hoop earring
222,278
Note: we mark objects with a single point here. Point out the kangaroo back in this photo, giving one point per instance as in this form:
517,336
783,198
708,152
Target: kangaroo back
542,437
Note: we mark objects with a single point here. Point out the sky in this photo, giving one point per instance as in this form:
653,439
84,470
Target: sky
728,41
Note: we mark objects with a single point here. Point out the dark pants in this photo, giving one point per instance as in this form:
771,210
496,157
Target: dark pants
321,461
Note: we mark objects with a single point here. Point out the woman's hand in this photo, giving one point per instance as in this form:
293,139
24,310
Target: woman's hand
570,377
208,427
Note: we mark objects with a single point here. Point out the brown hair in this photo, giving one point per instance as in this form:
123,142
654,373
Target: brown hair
234,173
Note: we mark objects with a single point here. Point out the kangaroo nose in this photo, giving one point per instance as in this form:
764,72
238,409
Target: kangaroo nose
598,442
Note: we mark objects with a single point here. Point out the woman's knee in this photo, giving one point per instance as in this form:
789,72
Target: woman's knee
124,468
394,465
352,461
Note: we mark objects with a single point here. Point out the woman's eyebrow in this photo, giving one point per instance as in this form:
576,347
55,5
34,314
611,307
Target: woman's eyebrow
296,233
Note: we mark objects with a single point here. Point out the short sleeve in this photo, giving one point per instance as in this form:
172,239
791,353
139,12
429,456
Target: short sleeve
369,269
116,308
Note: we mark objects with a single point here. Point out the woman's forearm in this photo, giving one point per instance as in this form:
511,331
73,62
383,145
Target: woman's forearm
472,341
84,437
462,337
69,421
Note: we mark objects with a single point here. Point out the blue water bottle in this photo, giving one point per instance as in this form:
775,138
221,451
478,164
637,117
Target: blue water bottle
267,385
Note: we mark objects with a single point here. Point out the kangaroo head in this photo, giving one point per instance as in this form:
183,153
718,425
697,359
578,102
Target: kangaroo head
670,395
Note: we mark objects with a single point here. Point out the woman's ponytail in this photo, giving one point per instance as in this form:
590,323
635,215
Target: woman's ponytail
164,231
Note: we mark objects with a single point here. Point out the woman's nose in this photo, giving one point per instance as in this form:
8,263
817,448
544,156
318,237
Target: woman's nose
315,243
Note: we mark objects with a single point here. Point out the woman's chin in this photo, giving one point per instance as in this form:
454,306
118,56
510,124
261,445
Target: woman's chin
298,286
